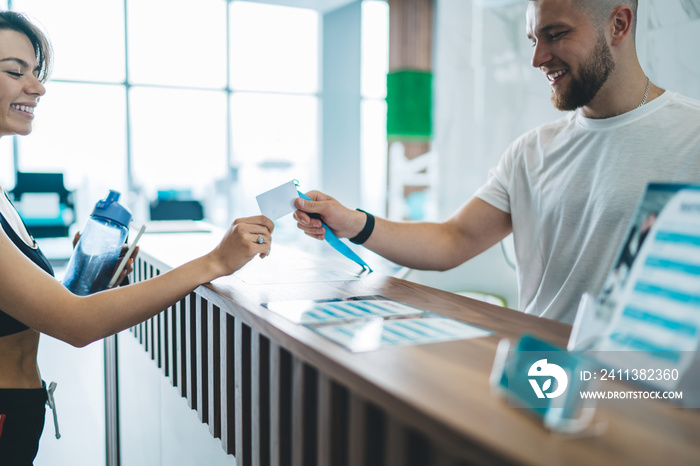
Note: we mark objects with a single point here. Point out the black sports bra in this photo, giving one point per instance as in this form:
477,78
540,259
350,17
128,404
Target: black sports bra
10,325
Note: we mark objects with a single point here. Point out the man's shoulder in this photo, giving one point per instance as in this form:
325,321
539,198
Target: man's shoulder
675,115
681,101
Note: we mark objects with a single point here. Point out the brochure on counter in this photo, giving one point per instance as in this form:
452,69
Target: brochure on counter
366,323
648,314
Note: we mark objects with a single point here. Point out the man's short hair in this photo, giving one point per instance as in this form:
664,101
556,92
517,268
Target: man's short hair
599,10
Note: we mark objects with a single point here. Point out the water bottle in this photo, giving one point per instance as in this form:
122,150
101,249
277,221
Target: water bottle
96,255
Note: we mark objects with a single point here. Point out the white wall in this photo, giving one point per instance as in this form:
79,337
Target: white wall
668,38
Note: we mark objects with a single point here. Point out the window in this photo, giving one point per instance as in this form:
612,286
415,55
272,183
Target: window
273,48
177,43
274,74
149,95
79,131
96,53
178,141
375,66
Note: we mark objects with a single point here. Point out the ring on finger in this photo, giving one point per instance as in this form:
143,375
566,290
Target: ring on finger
260,240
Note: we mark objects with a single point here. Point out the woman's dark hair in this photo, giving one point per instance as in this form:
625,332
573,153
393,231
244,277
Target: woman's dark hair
42,47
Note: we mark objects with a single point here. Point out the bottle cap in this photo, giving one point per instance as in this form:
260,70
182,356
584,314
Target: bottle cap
110,209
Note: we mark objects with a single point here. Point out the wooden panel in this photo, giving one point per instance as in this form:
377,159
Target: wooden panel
180,360
139,269
154,325
163,340
136,277
214,370
405,446
169,345
375,435
418,449
158,341
146,335
357,431
191,349
152,337
410,34
304,414
260,400
202,354
396,446
333,422
242,392
141,276
439,457
280,406
172,344
145,341
228,383
365,433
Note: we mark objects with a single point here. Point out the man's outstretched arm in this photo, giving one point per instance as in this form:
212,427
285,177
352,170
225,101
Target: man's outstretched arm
475,227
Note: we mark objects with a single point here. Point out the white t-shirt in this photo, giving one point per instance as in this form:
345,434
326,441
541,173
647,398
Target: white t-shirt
572,187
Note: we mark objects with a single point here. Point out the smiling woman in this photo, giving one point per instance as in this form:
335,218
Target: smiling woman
32,301
25,57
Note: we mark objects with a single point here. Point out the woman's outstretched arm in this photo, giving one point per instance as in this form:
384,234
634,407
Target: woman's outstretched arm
38,300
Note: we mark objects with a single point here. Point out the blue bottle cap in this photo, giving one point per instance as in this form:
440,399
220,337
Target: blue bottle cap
110,209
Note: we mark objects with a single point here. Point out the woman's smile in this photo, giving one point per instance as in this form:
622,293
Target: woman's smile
25,110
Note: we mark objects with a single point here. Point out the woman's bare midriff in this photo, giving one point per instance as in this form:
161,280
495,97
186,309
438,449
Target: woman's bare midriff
18,366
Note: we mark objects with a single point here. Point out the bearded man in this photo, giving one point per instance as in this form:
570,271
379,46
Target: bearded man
567,190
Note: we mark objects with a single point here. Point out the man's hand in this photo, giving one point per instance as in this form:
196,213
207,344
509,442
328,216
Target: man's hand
344,222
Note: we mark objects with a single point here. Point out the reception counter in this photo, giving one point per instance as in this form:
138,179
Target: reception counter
277,393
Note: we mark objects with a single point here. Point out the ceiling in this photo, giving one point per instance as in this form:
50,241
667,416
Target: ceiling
318,5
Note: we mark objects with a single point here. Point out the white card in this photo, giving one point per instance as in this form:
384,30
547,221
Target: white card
278,201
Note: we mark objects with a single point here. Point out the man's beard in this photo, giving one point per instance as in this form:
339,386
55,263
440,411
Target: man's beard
587,82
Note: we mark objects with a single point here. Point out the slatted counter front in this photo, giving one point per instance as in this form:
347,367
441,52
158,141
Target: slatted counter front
277,393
